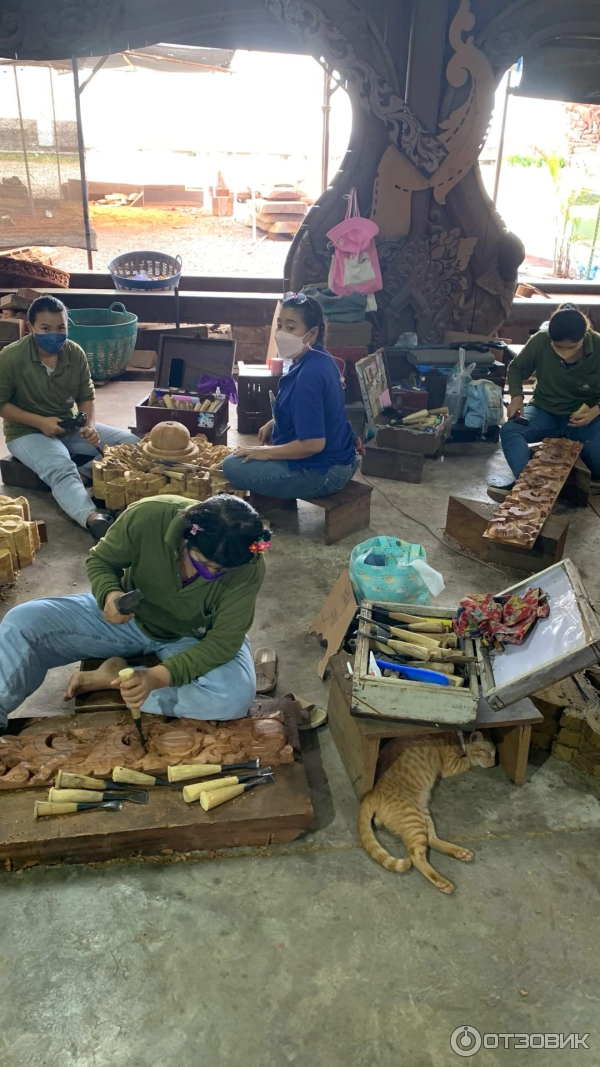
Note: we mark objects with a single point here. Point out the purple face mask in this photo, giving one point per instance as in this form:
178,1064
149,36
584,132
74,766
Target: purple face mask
203,570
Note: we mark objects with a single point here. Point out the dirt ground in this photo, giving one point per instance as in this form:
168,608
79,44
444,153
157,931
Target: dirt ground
206,245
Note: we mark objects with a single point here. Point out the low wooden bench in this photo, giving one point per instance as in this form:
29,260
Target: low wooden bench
366,745
19,475
346,512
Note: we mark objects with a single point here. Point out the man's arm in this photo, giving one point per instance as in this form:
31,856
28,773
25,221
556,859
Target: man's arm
520,369
109,558
47,424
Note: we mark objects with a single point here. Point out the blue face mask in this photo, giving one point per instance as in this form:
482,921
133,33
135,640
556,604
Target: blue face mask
51,343
203,570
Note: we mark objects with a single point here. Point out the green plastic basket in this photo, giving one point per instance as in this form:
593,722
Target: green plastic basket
107,337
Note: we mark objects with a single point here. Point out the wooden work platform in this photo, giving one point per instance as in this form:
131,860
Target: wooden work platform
359,740
270,814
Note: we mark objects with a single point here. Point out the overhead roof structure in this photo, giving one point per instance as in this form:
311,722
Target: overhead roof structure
168,58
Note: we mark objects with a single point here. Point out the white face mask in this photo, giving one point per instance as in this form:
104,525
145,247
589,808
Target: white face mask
289,345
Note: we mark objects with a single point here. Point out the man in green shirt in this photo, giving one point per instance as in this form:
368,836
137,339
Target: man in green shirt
565,360
44,380
198,568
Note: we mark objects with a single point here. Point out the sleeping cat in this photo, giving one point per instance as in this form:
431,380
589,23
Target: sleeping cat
400,800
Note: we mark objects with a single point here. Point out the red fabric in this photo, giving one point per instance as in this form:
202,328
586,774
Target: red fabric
498,620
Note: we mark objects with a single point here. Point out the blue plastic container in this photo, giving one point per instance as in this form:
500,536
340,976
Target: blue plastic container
145,271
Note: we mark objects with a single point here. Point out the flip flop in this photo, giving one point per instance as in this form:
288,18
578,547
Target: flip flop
265,663
313,716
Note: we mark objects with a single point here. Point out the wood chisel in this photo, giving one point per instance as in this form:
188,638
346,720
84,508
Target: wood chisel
410,651
66,796
125,774
194,791
403,635
65,780
212,798
182,772
400,616
416,627
136,714
47,807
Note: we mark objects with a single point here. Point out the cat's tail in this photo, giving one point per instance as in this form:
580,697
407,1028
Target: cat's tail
370,843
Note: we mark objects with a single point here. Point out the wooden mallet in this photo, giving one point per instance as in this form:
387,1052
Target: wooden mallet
136,715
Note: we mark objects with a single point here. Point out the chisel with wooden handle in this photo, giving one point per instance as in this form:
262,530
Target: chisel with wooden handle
125,774
410,651
213,797
182,772
65,780
65,796
401,616
410,636
422,627
48,807
193,792
136,714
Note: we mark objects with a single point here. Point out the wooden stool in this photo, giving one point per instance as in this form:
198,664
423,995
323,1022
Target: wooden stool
13,472
359,740
346,512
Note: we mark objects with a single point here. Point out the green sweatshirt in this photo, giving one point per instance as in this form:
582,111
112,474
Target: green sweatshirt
25,382
559,389
141,551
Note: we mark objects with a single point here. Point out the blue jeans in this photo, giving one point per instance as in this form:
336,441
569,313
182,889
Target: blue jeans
50,458
516,439
42,634
277,479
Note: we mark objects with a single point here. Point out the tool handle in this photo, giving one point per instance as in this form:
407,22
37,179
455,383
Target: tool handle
125,774
414,638
427,627
412,651
194,791
125,675
182,771
126,603
401,616
414,674
75,796
213,797
44,807
64,780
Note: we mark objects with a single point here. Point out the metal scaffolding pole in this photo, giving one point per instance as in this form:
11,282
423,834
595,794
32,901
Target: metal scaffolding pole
81,147
55,128
23,139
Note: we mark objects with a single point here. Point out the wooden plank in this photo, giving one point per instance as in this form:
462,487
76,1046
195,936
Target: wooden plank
270,814
91,279
576,489
513,750
467,520
541,466
358,752
240,309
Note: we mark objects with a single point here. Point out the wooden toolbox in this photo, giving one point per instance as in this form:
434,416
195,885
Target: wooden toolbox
181,362
557,647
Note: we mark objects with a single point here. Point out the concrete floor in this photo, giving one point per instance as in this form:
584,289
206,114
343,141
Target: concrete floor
310,954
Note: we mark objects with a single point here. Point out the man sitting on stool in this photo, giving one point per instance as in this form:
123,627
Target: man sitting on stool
44,381
565,360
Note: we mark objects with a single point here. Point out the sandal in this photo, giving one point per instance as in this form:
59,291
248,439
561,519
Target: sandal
312,716
265,664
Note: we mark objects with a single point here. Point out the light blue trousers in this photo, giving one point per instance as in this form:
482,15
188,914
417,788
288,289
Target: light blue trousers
50,458
42,634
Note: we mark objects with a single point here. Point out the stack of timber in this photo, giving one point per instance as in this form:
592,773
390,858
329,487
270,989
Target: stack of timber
281,214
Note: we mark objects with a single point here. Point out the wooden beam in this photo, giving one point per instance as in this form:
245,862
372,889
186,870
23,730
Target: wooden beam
92,279
238,309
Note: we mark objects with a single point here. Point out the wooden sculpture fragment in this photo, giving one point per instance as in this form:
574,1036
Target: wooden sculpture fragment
34,757
520,518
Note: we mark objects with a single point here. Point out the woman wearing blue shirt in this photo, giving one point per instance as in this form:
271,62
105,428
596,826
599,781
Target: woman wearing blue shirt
308,448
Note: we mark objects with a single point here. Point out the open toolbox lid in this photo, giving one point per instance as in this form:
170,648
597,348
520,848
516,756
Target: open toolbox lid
557,647
182,360
374,385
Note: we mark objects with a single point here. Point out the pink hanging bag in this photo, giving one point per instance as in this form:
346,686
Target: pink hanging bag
355,264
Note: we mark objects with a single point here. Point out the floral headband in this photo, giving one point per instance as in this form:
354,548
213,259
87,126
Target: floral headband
260,546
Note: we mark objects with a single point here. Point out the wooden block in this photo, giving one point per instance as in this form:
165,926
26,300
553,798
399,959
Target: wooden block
346,512
513,751
43,531
577,486
357,752
11,330
467,521
13,472
389,463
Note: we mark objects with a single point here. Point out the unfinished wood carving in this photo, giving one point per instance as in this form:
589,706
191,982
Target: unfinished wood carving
519,520
33,758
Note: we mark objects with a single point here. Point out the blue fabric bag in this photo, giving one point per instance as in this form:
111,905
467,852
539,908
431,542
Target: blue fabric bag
406,577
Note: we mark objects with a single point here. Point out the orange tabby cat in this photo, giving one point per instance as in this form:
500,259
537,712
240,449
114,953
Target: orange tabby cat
400,800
